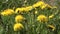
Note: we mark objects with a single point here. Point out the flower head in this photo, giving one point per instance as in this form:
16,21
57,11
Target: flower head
23,9
18,26
28,8
41,4
38,4
7,12
19,10
19,18
42,18
52,27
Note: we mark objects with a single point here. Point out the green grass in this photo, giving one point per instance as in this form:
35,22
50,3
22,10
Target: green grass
31,25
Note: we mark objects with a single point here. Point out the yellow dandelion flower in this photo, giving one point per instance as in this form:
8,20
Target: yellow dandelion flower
23,9
7,12
38,4
19,18
42,18
19,10
18,26
28,8
52,27
43,6
51,16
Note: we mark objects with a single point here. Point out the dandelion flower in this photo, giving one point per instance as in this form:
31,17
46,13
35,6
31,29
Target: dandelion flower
23,9
28,8
43,6
7,12
52,27
42,18
38,4
18,26
19,18
19,10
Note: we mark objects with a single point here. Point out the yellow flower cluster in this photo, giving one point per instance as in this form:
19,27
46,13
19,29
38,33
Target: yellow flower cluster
24,9
18,26
7,12
41,4
52,27
19,18
42,18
